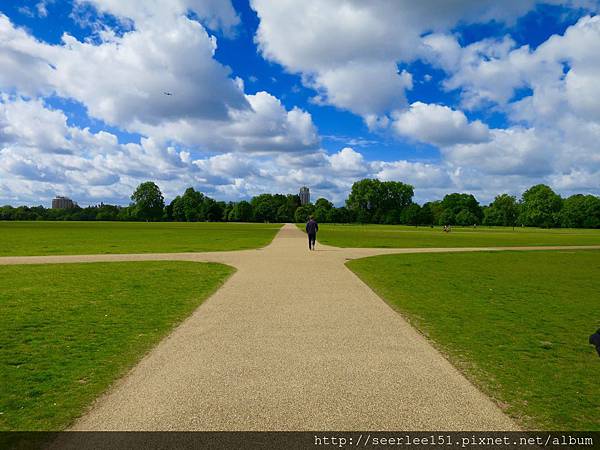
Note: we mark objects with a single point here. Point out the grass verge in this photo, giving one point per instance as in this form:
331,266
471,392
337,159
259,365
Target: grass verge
81,238
398,236
67,331
516,323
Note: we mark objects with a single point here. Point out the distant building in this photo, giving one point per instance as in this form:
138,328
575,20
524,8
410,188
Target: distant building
62,203
304,195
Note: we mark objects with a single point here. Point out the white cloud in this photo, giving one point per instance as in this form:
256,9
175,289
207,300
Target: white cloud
365,88
123,80
348,49
216,14
349,162
214,136
439,125
420,175
510,152
98,168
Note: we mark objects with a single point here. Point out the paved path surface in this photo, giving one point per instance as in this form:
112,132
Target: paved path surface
292,341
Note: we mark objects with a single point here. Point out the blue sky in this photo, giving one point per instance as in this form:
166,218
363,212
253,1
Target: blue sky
268,96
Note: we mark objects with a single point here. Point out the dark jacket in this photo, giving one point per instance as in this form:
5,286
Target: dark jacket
595,340
312,227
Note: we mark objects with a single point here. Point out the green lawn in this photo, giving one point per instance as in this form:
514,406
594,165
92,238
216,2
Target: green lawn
384,236
517,323
80,238
68,330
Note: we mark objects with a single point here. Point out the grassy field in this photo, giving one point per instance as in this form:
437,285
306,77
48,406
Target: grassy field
68,330
517,323
80,238
391,236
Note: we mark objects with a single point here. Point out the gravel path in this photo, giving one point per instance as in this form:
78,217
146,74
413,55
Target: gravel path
292,341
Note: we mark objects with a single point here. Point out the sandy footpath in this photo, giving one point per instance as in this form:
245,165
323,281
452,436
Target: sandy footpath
292,341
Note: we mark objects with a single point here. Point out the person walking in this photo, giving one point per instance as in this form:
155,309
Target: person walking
311,229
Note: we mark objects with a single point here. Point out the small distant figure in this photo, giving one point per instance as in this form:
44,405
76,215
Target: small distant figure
168,93
595,340
474,226
447,229
311,229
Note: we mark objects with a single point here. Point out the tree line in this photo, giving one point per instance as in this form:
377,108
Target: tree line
370,201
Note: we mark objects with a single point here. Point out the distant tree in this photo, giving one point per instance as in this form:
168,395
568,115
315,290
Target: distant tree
390,217
168,211
321,214
372,200
283,214
323,203
453,204
540,207
411,215
177,210
264,207
340,215
241,212
447,218
227,211
580,211
426,216
6,212
503,211
211,210
303,212
436,211
192,205
465,218
126,214
148,201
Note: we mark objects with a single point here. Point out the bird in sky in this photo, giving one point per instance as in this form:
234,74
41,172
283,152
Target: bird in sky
167,93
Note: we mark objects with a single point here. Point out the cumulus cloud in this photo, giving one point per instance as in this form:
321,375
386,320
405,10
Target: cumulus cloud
213,135
216,14
348,49
509,152
555,129
34,166
122,80
439,125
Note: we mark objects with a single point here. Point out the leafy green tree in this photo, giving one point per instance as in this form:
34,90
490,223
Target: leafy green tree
227,211
193,208
177,210
321,214
436,211
323,203
303,212
503,211
126,214
211,210
579,211
264,207
241,212
447,218
391,217
372,200
340,215
453,204
6,212
426,215
283,215
411,215
148,201
465,218
540,207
